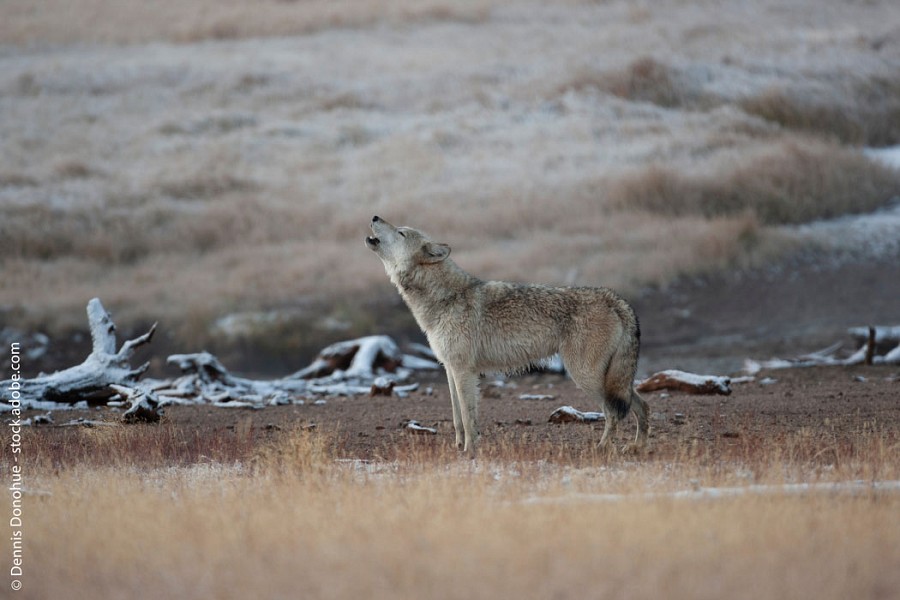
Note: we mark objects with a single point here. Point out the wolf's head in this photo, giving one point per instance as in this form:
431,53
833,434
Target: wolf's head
402,249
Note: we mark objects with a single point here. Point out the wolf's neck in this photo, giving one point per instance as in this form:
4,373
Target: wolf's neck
427,287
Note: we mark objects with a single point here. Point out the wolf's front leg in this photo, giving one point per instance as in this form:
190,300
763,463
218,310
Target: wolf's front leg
467,399
457,417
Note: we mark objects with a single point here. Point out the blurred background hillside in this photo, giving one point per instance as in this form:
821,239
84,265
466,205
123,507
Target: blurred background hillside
214,165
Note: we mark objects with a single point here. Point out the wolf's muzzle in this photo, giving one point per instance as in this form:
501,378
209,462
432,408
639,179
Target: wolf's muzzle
372,242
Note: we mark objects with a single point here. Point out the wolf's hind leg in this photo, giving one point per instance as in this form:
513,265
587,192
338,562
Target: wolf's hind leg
642,412
609,429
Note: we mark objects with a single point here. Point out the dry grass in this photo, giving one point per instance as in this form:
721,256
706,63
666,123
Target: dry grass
796,183
856,108
643,80
284,518
859,111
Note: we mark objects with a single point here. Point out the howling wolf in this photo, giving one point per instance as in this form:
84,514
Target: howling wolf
477,326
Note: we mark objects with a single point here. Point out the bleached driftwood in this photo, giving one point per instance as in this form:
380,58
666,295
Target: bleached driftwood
884,334
368,365
690,383
362,358
382,386
567,414
879,345
144,404
418,428
206,380
93,379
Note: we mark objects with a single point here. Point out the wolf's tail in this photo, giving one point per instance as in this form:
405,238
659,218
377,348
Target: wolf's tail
619,384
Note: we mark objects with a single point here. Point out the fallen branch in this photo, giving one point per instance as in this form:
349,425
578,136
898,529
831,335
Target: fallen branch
368,365
93,379
418,428
363,358
567,414
144,405
686,382
879,345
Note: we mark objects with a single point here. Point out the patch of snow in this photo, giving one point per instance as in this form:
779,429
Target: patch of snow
887,156
843,488
536,397
873,235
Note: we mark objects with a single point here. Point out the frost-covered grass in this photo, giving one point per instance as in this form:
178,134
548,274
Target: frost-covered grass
200,160
133,21
290,518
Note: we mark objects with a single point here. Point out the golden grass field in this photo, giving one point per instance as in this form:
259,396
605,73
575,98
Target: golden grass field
148,512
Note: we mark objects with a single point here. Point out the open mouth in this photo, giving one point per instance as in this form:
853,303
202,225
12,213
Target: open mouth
372,242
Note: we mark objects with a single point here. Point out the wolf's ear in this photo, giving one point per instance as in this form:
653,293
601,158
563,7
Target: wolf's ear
434,253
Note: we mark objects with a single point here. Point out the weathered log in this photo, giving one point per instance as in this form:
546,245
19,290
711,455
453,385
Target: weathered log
686,382
346,368
885,335
362,358
382,386
879,345
206,380
359,357
567,414
93,379
145,405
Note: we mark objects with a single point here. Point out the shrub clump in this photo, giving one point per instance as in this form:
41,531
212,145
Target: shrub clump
861,112
798,183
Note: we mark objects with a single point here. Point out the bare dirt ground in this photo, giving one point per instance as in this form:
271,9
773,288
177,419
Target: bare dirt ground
835,406
789,308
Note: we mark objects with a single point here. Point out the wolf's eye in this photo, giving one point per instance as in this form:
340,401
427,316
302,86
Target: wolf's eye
401,233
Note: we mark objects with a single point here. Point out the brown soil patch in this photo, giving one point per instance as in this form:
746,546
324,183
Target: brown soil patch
833,408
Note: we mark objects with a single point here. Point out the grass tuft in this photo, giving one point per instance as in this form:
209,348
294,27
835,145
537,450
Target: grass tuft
864,112
797,183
